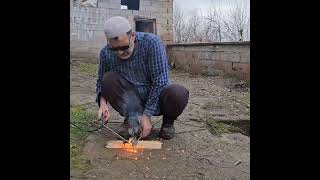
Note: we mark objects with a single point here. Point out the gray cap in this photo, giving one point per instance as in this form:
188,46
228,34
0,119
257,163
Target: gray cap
116,26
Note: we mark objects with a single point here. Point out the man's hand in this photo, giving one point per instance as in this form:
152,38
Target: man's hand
103,110
146,126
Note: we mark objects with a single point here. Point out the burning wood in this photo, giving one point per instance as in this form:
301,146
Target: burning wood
129,147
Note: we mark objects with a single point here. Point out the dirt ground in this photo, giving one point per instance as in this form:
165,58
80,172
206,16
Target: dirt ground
212,135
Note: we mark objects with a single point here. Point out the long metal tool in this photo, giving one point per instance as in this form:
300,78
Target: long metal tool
118,135
133,140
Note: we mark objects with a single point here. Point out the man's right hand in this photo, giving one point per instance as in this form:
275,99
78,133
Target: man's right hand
103,110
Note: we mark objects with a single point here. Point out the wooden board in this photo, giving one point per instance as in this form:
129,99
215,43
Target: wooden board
141,144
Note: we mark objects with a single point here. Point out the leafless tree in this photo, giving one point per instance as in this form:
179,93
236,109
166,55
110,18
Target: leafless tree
178,24
193,28
215,23
237,22
218,24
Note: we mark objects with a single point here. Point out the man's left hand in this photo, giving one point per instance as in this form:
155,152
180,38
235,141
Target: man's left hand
146,126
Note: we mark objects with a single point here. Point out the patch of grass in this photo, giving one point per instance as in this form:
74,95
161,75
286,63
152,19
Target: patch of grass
77,161
88,68
216,128
239,126
79,115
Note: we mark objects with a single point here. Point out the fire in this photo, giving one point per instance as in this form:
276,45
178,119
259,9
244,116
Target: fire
131,152
129,148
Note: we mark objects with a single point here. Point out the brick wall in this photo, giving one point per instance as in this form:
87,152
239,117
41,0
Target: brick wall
212,58
86,23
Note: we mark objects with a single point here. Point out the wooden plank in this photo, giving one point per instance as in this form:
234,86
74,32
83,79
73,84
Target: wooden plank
140,145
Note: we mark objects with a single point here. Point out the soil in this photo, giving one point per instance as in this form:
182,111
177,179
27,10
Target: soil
216,104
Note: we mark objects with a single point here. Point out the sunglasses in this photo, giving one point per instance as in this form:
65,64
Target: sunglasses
122,48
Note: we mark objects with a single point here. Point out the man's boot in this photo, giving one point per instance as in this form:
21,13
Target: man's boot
167,129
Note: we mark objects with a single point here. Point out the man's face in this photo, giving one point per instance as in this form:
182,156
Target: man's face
123,45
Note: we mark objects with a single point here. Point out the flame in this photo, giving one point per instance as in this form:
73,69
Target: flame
129,148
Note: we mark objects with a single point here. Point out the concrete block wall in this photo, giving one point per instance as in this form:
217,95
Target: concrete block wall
212,58
86,23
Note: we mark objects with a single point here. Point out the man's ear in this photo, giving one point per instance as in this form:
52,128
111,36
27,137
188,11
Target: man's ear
133,34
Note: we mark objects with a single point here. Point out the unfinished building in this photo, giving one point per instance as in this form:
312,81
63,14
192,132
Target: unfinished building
87,18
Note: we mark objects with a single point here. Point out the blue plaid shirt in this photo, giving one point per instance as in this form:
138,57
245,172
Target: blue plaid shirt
146,69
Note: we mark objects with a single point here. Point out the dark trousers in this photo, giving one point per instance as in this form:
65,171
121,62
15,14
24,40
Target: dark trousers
123,97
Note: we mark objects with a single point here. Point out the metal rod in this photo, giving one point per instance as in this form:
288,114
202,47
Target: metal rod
115,133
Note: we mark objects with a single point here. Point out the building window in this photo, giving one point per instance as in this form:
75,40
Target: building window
145,25
130,4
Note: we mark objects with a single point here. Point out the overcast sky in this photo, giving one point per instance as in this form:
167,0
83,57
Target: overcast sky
188,5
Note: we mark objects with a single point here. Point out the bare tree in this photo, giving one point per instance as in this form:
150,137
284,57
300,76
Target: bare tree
219,24
237,22
206,30
194,28
247,37
178,24
215,23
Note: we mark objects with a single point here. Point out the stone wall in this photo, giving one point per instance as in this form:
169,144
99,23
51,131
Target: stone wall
232,58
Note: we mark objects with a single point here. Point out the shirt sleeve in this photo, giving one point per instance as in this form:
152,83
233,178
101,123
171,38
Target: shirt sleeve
101,71
158,66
